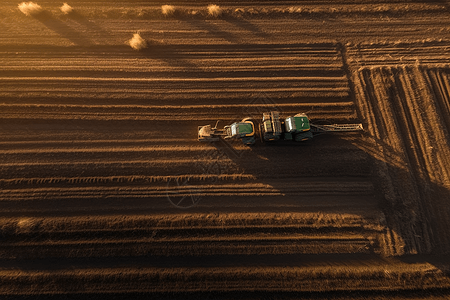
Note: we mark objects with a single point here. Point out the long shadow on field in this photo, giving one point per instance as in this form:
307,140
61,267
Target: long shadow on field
170,54
307,177
244,24
349,177
82,20
62,29
210,27
178,56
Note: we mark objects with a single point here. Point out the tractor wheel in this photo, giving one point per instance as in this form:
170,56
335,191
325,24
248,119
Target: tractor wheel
303,136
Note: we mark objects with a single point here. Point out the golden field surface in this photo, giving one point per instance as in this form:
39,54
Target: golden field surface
106,192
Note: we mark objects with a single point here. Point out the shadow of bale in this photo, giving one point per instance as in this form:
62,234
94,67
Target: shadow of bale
62,29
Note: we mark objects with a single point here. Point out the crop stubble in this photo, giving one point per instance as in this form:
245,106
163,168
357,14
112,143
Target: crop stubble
95,134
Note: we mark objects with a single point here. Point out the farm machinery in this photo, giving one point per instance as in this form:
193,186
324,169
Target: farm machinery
244,130
273,128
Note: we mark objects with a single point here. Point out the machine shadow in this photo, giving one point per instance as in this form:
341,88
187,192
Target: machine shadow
246,25
213,29
339,174
82,20
174,55
298,175
62,29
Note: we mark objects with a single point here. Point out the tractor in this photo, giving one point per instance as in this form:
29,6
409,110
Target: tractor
295,128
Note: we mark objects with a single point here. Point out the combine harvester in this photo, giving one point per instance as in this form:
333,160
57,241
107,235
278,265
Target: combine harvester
272,128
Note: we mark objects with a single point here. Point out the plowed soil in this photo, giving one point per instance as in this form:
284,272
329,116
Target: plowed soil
105,190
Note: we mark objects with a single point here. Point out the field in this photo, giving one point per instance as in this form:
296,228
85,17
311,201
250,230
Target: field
106,192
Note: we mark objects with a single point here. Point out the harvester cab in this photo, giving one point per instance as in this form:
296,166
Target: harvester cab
298,128
244,130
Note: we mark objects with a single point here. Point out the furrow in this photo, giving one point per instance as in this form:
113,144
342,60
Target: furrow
206,247
186,190
150,113
194,279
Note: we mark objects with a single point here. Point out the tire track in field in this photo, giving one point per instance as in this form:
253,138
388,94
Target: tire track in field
438,80
374,95
417,112
405,107
433,148
404,101
411,133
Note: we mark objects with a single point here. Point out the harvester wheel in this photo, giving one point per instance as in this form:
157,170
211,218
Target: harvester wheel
261,127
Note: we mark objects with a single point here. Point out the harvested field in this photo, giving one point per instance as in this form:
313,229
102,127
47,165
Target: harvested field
105,190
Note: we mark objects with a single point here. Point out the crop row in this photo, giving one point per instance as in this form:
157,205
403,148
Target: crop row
150,279
377,55
194,112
